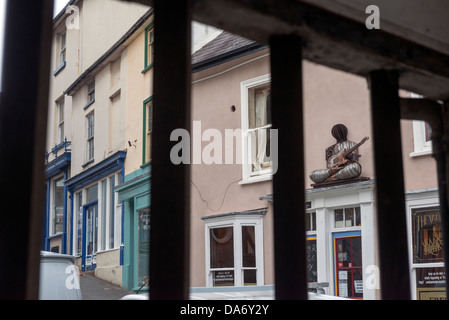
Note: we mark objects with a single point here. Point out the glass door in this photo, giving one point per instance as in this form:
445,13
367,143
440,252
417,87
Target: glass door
90,236
348,265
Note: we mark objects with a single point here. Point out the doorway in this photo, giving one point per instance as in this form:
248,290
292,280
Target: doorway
90,236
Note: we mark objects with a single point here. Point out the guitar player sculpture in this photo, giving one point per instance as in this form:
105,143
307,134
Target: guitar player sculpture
342,158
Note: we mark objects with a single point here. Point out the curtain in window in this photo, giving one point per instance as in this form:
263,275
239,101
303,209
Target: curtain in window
261,134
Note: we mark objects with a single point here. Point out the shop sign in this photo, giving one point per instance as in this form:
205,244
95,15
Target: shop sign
223,278
427,238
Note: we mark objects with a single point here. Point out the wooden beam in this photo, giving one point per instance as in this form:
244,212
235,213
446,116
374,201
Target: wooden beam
23,128
170,187
288,181
390,198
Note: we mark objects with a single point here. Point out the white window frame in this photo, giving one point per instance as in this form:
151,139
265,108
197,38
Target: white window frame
62,47
415,200
421,146
104,221
248,176
60,104
52,215
90,137
237,221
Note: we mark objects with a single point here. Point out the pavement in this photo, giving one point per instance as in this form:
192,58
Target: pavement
93,288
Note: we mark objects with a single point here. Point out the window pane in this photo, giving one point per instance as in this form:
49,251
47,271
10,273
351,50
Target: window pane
58,206
349,217
248,246
249,277
103,214
358,220
313,216
338,218
143,242
79,225
308,228
357,251
92,193
112,213
222,247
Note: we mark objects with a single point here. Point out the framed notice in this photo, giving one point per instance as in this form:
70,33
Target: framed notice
427,238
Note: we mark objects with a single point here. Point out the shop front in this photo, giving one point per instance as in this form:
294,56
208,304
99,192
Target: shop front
135,194
428,275
96,223
341,240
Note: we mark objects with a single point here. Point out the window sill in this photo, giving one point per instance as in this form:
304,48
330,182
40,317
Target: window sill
255,179
147,68
87,163
420,153
59,69
89,104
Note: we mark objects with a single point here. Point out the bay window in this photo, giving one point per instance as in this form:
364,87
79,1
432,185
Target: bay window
234,250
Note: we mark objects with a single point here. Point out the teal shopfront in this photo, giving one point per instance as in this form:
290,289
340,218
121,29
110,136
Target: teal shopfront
135,194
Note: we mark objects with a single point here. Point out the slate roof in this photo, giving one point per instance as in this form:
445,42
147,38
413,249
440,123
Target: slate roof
224,47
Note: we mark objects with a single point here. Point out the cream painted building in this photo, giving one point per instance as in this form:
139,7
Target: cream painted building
86,145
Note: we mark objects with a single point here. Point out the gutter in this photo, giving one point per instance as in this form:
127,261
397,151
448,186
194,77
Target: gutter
228,56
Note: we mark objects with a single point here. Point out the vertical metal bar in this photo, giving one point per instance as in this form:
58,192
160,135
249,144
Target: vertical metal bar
170,224
288,181
391,216
23,123
440,149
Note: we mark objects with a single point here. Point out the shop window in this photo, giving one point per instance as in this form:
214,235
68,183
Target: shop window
79,223
222,256
427,249
57,213
143,246
348,266
312,272
234,252
347,217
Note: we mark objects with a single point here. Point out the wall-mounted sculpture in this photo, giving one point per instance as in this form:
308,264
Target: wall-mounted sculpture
342,158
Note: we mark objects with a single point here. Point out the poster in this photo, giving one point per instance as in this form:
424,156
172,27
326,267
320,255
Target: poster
343,283
427,238
430,284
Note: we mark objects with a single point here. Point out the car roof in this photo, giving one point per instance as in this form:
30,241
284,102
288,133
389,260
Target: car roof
48,254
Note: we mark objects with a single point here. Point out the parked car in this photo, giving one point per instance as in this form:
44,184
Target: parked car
59,278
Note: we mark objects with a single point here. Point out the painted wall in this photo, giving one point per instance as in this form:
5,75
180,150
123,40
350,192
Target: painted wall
100,31
330,97
139,88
